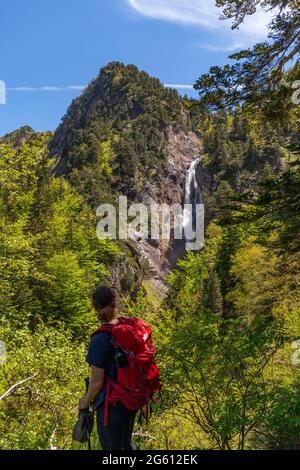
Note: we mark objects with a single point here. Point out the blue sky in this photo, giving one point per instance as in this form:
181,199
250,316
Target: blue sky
50,49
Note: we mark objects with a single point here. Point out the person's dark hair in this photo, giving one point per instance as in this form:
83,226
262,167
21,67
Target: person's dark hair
105,302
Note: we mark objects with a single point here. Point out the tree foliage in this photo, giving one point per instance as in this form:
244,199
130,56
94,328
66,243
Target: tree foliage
224,331
258,78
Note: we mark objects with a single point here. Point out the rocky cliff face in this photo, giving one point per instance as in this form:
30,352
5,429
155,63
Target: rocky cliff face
168,188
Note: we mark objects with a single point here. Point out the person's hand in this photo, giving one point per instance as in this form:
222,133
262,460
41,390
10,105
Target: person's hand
83,404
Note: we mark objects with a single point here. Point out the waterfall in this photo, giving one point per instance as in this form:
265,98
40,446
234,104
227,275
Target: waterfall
192,197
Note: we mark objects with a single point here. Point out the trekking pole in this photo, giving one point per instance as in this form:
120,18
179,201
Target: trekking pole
87,384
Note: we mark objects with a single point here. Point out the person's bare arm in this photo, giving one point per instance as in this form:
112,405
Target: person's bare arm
96,383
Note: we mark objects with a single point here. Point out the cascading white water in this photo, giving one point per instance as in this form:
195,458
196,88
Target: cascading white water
192,197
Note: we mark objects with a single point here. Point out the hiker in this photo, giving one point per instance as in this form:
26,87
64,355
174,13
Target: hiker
124,376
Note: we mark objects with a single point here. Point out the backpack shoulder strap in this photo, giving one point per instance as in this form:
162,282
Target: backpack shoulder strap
105,328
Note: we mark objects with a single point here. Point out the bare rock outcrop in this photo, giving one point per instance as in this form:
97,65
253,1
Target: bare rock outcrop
168,188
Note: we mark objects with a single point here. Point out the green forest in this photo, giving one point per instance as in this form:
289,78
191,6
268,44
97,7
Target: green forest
226,330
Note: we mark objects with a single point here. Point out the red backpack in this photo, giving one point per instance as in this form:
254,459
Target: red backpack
137,382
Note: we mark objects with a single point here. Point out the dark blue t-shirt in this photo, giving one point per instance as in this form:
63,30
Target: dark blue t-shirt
101,354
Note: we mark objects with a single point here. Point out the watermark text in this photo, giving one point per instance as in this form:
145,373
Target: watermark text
2,92
154,222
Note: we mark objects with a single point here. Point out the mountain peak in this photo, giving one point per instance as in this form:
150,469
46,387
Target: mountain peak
125,107
18,137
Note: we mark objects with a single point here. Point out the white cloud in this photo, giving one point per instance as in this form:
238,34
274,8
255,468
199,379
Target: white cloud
51,88
48,88
216,48
201,12
179,87
77,87
21,88
205,14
